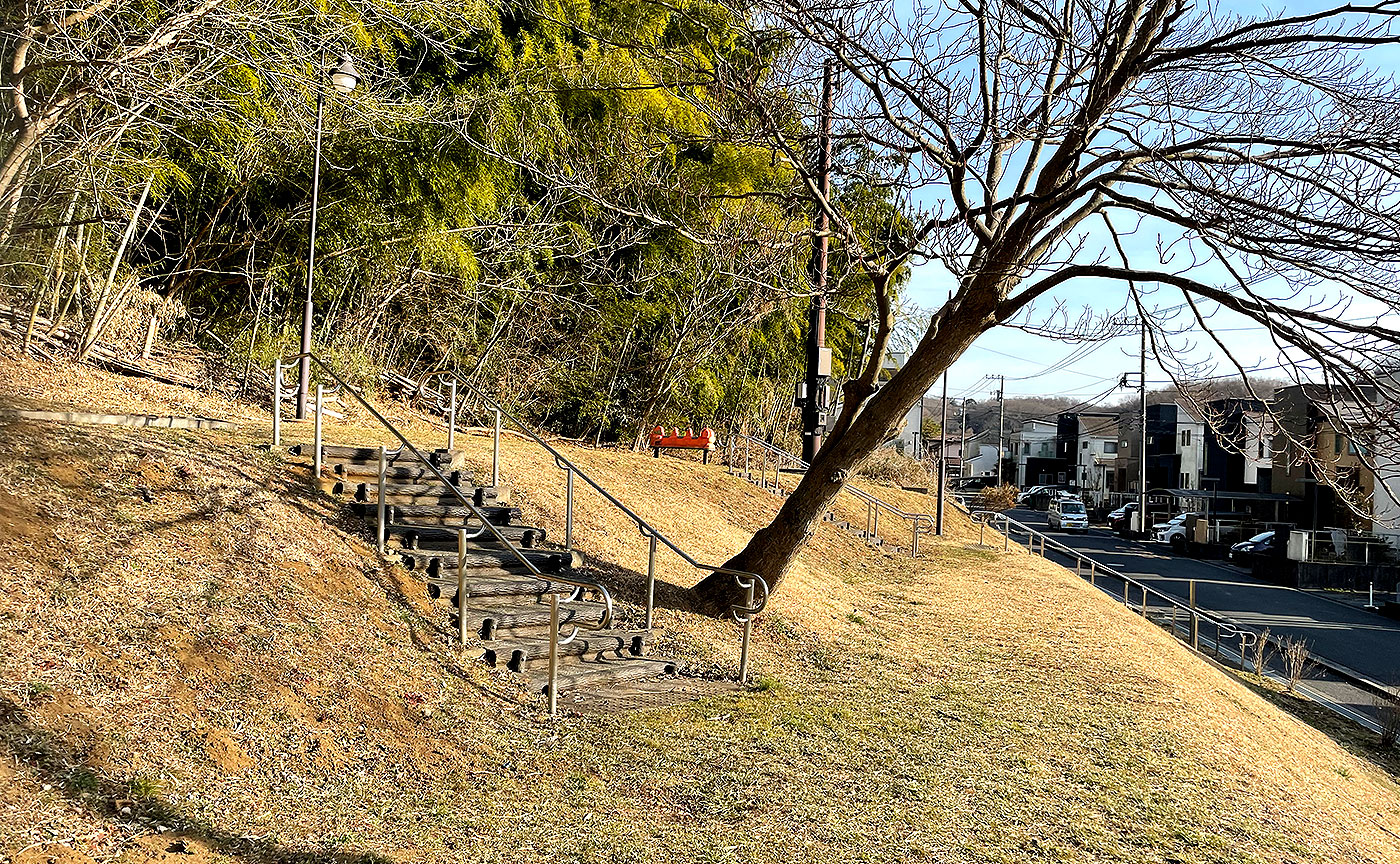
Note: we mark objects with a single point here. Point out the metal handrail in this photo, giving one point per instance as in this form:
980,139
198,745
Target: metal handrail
1224,628
580,584
755,586
920,523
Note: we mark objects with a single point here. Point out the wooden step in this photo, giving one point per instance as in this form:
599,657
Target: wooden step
415,473
522,587
414,537
601,670
438,563
491,621
514,654
429,493
437,516
349,453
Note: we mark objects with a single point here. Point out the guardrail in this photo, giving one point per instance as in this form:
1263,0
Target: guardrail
920,524
755,588
580,585
1194,618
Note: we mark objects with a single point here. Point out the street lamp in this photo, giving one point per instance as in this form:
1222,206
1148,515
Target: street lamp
344,78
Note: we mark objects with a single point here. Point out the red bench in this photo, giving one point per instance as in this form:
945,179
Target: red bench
704,442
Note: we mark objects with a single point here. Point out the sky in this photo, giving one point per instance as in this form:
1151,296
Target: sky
1035,365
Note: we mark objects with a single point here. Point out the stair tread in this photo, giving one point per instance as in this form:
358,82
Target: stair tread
515,615
439,514
584,670
506,652
348,453
494,586
420,537
491,556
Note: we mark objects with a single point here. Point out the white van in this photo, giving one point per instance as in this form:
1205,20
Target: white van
1068,514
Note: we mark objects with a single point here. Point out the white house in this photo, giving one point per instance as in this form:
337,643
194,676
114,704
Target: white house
1033,442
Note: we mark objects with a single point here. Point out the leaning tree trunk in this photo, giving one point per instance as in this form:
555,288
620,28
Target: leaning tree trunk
773,549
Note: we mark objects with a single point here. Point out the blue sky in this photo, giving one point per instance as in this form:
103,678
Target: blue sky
1041,366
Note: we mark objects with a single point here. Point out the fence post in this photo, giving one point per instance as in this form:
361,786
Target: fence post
496,462
452,414
316,456
379,509
651,580
569,511
553,654
277,403
462,586
1195,620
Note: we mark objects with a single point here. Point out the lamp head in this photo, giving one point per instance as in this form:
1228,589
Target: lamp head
345,77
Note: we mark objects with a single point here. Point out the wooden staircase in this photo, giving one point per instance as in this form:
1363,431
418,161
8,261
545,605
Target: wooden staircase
503,602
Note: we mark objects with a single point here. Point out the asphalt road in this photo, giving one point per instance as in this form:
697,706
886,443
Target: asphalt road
1360,641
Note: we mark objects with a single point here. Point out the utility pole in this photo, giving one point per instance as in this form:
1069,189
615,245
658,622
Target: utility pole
920,442
1142,419
1001,422
942,455
962,445
818,356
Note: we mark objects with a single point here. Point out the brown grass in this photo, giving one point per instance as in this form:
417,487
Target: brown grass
193,642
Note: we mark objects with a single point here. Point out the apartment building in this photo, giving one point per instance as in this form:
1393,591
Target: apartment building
1087,445
1176,449
1033,448
1239,446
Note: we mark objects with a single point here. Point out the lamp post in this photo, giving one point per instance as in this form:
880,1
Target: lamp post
344,78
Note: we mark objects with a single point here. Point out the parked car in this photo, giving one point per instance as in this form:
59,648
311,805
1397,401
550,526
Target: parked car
1268,544
1068,514
975,484
1123,516
1178,531
1024,498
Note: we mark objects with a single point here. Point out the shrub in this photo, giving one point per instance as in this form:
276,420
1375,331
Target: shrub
999,498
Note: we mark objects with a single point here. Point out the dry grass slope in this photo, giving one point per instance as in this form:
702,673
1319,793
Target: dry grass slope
194,642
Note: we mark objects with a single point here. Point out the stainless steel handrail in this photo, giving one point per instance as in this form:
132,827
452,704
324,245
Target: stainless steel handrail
580,584
755,586
920,523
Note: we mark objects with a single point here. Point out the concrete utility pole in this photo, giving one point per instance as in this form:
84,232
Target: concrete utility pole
1001,423
818,357
962,445
1142,419
942,455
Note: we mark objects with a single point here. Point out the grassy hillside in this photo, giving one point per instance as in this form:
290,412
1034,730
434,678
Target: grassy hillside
202,661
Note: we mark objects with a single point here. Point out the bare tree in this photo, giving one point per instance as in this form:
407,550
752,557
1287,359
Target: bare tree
1198,168
1296,660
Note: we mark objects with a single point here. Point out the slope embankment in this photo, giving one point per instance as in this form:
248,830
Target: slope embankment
201,660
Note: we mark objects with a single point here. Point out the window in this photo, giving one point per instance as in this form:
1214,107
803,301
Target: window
1261,448
1185,481
1185,438
1337,441
1086,446
1110,447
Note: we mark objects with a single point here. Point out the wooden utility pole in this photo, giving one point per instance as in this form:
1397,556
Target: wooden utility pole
818,358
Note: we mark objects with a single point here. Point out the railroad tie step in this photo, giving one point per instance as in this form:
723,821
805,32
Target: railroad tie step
349,453
429,493
439,563
355,472
601,670
414,537
520,588
491,621
435,515
514,654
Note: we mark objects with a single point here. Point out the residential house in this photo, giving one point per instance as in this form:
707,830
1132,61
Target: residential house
1033,448
1318,458
1239,446
1086,446
1175,449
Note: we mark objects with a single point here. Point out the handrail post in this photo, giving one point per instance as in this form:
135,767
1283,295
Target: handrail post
553,654
496,461
914,538
379,509
1006,538
982,532
1195,620
452,414
277,403
747,474
316,458
651,580
1144,601
461,585
875,532
744,645
569,510
1093,573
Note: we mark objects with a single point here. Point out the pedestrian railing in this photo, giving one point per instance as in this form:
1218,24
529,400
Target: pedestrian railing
740,456
581,586
754,587
1183,619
